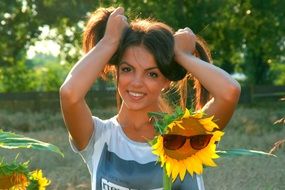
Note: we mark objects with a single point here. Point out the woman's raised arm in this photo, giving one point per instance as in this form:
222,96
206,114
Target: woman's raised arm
222,87
76,113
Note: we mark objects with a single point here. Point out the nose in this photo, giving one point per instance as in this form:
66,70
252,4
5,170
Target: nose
137,80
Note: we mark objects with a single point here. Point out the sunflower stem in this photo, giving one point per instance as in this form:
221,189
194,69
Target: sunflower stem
167,184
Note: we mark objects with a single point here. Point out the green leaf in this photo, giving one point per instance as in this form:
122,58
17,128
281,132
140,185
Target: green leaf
162,120
8,169
10,140
242,152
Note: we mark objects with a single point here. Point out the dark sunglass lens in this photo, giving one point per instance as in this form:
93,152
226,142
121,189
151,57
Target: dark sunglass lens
199,142
173,142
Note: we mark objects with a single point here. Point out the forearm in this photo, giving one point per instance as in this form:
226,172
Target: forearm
87,69
218,82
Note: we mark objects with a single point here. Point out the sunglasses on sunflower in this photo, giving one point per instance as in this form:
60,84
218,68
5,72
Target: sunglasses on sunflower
197,142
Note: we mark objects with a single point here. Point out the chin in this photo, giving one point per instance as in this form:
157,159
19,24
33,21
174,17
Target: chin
139,106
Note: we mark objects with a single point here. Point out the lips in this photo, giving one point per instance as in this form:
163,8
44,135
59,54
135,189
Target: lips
136,95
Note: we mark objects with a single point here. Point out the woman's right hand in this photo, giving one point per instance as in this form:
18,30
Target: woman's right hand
116,24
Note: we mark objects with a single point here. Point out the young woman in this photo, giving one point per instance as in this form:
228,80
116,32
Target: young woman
147,56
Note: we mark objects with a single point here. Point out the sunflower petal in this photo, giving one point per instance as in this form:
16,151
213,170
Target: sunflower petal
198,114
186,114
189,167
215,156
208,124
175,170
182,170
217,135
206,157
197,164
171,125
168,168
156,145
155,152
179,125
158,151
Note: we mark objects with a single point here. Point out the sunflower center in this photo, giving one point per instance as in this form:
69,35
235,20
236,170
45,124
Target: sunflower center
182,153
191,127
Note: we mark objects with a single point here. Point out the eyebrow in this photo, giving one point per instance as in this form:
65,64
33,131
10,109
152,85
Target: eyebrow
147,69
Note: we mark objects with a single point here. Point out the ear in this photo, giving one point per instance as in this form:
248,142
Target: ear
166,85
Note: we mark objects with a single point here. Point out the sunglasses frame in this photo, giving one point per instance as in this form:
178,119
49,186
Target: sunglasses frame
185,138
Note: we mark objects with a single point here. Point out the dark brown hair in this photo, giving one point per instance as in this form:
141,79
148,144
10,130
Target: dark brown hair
158,39
95,27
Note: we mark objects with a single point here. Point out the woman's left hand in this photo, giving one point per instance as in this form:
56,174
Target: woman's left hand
185,41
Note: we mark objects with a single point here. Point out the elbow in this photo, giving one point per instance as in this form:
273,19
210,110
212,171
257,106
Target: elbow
233,93
67,95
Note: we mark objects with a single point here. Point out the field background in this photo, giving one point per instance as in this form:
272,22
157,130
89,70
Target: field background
41,40
251,127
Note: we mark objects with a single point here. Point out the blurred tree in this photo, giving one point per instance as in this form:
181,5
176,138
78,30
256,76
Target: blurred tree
49,74
18,30
17,78
263,37
244,35
249,36
18,27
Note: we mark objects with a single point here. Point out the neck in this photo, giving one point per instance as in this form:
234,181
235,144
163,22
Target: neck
134,118
136,123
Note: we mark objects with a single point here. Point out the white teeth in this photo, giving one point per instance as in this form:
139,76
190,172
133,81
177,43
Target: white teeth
136,94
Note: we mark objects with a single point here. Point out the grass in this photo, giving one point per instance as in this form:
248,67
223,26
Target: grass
250,173
251,127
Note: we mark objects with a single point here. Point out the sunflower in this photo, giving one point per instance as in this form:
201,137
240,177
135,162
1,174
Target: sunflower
15,181
186,144
38,180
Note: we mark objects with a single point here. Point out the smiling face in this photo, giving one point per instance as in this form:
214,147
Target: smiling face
139,80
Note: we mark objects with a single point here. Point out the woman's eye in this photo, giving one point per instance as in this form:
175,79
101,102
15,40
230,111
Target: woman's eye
126,69
152,74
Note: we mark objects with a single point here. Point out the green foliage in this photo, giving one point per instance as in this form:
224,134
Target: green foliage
13,167
18,29
33,180
243,35
277,71
10,140
17,78
162,120
244,38
44,73
242,152
11,171
50,75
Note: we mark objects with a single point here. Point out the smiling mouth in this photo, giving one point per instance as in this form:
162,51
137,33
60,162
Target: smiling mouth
136,95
